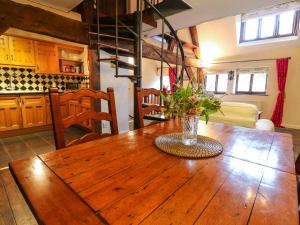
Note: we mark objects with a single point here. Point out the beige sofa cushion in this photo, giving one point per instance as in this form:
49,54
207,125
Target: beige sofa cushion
236,113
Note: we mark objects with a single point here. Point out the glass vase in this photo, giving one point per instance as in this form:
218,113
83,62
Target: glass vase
189,129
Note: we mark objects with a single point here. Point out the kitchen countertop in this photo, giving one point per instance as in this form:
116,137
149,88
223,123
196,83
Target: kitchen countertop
24,92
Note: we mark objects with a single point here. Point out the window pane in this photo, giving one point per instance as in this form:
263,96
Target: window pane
267,26
259,82
251,28
210,83
286,23
222,83
244,82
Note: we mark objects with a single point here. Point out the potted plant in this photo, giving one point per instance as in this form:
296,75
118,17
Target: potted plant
190,103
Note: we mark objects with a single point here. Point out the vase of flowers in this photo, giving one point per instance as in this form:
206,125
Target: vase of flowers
190,103
189,129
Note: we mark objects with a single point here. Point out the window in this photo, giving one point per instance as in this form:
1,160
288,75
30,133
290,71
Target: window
251,82
279,25
216,83
159,38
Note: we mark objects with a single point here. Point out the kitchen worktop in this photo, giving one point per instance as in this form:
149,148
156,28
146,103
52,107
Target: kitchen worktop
24,92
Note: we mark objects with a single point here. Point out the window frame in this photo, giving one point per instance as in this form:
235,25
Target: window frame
216,83
250,92
276,34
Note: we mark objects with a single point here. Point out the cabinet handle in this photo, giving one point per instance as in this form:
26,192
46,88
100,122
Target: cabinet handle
12,57
7,57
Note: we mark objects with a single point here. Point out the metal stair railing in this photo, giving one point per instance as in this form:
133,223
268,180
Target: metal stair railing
149,4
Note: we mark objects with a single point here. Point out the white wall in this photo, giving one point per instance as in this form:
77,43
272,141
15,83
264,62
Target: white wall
218,42
121,90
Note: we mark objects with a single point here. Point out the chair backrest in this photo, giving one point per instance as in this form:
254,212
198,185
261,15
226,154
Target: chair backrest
148,102
60,124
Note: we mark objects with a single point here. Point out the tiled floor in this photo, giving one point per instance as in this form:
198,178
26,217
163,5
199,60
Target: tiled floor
25,146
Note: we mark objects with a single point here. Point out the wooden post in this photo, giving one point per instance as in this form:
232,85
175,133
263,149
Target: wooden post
138,59
195,40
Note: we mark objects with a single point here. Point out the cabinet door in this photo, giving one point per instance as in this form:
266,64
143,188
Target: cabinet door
4,50
46,55
64,110
10,113
33,111
21,51
86,106
74,107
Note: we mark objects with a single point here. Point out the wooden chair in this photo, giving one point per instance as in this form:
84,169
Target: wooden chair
60,124
148,105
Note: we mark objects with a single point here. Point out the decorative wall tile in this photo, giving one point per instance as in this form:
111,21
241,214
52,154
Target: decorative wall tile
27,80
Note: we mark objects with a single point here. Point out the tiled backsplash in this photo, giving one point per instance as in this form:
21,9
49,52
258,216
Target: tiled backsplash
27,80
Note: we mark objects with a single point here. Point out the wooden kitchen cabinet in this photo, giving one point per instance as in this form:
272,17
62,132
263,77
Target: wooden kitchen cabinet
21,51
86,106
10,113
33,111
4,50
46,55
76,107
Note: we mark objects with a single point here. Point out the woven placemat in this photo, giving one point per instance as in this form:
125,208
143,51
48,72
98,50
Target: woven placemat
205,147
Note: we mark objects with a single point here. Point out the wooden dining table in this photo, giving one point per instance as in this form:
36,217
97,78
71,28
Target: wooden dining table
126,179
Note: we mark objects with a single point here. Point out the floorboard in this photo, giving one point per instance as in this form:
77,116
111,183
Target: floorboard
20,210
6,214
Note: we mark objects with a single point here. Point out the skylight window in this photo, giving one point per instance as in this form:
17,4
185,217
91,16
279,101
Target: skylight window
286,21
251,28
267,26
278,25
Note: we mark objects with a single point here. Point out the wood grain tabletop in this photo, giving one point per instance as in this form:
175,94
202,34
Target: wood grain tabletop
125,179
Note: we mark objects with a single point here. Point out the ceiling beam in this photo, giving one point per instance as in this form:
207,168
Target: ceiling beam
195,40
3,27
36,20
150,52
172,43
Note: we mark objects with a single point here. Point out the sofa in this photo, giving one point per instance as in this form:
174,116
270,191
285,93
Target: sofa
241,114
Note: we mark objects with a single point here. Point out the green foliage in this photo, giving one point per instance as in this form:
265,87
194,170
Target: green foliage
192,101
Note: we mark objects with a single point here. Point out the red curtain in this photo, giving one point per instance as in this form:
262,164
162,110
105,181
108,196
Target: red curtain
282,69
172,77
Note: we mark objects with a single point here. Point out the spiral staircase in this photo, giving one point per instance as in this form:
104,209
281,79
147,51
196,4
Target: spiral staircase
122,36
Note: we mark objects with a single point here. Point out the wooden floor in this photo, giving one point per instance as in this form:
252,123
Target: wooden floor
296,139
13,208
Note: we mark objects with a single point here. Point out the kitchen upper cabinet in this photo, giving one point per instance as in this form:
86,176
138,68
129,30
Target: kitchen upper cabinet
10,113
4,50
46,55
33,111
21,51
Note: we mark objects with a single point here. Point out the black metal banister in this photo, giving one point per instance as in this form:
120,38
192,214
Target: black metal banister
179,44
